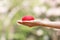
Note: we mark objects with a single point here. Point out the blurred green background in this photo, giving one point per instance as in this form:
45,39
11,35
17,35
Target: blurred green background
13,10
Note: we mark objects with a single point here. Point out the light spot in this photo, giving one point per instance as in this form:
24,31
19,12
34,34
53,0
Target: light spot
39,32
53,12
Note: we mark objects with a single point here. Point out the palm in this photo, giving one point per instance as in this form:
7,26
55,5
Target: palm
29,23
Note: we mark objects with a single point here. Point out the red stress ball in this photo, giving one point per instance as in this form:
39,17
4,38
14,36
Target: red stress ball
27,18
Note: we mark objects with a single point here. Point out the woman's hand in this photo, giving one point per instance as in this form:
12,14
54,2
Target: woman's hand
40,23
29,23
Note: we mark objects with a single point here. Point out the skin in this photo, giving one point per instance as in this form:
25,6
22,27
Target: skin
41,23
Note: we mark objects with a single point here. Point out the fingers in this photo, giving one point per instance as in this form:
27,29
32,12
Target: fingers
19,22
28,23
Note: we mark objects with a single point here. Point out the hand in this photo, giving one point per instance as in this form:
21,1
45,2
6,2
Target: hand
29,23
40,23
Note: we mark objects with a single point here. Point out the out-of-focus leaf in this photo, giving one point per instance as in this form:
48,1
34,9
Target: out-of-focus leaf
17,2
19,36
1,25
18,16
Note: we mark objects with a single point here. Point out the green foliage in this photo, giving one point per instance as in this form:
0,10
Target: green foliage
17,2
53,18
0,27
18,16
